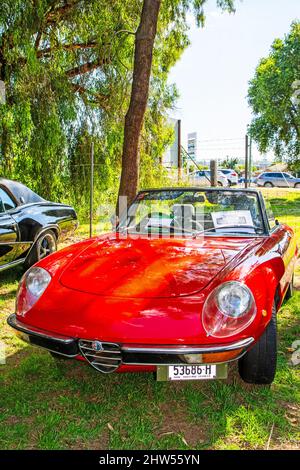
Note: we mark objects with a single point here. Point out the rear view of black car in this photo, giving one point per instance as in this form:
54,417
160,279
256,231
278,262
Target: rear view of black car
30,226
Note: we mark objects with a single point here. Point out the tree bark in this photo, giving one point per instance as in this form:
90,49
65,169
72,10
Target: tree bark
144,43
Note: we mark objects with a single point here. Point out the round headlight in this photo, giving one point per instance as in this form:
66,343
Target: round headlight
37,280
234,299
228,309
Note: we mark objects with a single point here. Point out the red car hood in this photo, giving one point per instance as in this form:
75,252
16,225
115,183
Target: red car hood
146,268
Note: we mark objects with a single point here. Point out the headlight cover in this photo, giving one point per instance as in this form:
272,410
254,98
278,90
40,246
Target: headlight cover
233,299
32,285
228,309
37,280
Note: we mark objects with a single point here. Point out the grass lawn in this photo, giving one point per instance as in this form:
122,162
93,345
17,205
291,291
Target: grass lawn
68,405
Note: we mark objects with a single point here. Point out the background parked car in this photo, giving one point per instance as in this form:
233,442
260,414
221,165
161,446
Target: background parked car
202,178
250,180
279,179
231,175
30,226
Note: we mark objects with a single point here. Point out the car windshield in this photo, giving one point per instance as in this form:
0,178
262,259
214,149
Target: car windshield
194,212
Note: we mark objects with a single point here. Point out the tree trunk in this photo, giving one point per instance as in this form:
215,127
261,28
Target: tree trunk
144,42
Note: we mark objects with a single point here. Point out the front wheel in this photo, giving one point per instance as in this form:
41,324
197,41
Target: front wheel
45,244
290,290
297,185
258,366
268,185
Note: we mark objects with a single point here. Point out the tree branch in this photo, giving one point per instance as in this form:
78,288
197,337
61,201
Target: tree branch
67,47
52,16
85,68
100,98
57,13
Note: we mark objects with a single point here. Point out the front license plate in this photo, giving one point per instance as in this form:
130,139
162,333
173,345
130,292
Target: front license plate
192,372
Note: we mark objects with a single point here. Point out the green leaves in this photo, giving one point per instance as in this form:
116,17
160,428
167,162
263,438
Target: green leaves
276,123
67,66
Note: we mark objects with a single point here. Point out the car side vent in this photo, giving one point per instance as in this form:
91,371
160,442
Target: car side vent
105,357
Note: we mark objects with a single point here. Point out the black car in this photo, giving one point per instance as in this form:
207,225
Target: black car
30,226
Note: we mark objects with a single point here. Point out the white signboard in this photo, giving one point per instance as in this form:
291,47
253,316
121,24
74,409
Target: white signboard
192,145
232,219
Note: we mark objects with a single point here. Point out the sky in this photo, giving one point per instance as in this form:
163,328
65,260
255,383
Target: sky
213,73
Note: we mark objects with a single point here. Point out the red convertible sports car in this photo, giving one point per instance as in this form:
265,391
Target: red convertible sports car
190,280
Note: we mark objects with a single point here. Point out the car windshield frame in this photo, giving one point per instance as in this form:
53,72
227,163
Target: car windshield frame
265,230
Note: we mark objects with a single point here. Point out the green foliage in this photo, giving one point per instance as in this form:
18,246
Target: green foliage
276,122
67,66
230,162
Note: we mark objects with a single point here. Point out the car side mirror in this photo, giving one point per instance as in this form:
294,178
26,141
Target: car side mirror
22,200
277,222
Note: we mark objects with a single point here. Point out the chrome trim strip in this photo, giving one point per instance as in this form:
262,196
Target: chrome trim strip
12,263
182,363
190,349
17,325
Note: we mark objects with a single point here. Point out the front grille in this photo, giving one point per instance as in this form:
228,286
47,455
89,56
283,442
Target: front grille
107,360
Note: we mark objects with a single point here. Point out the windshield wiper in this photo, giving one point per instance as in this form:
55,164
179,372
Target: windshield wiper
167,227
225,227
198,232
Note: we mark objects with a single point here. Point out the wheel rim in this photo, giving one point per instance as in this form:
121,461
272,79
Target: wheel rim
46,246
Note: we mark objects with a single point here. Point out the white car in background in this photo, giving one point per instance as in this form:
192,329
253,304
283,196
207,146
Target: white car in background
231,175
202,178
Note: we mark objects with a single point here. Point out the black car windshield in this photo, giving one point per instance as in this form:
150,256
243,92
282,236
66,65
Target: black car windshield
194,212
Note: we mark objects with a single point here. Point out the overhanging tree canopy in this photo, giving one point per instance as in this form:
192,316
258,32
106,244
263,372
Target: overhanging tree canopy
276,122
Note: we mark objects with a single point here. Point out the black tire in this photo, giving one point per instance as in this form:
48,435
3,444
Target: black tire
258,366
220,184
297,185
290,291
45,244
268,184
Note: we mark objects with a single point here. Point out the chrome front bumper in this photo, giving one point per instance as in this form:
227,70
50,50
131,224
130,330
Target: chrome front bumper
110,356
52,342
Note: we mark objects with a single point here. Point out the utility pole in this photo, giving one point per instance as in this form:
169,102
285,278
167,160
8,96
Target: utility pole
250,160
92,190
246,160
179,150
213,173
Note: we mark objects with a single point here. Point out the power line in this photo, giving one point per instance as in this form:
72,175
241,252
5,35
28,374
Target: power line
220,140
